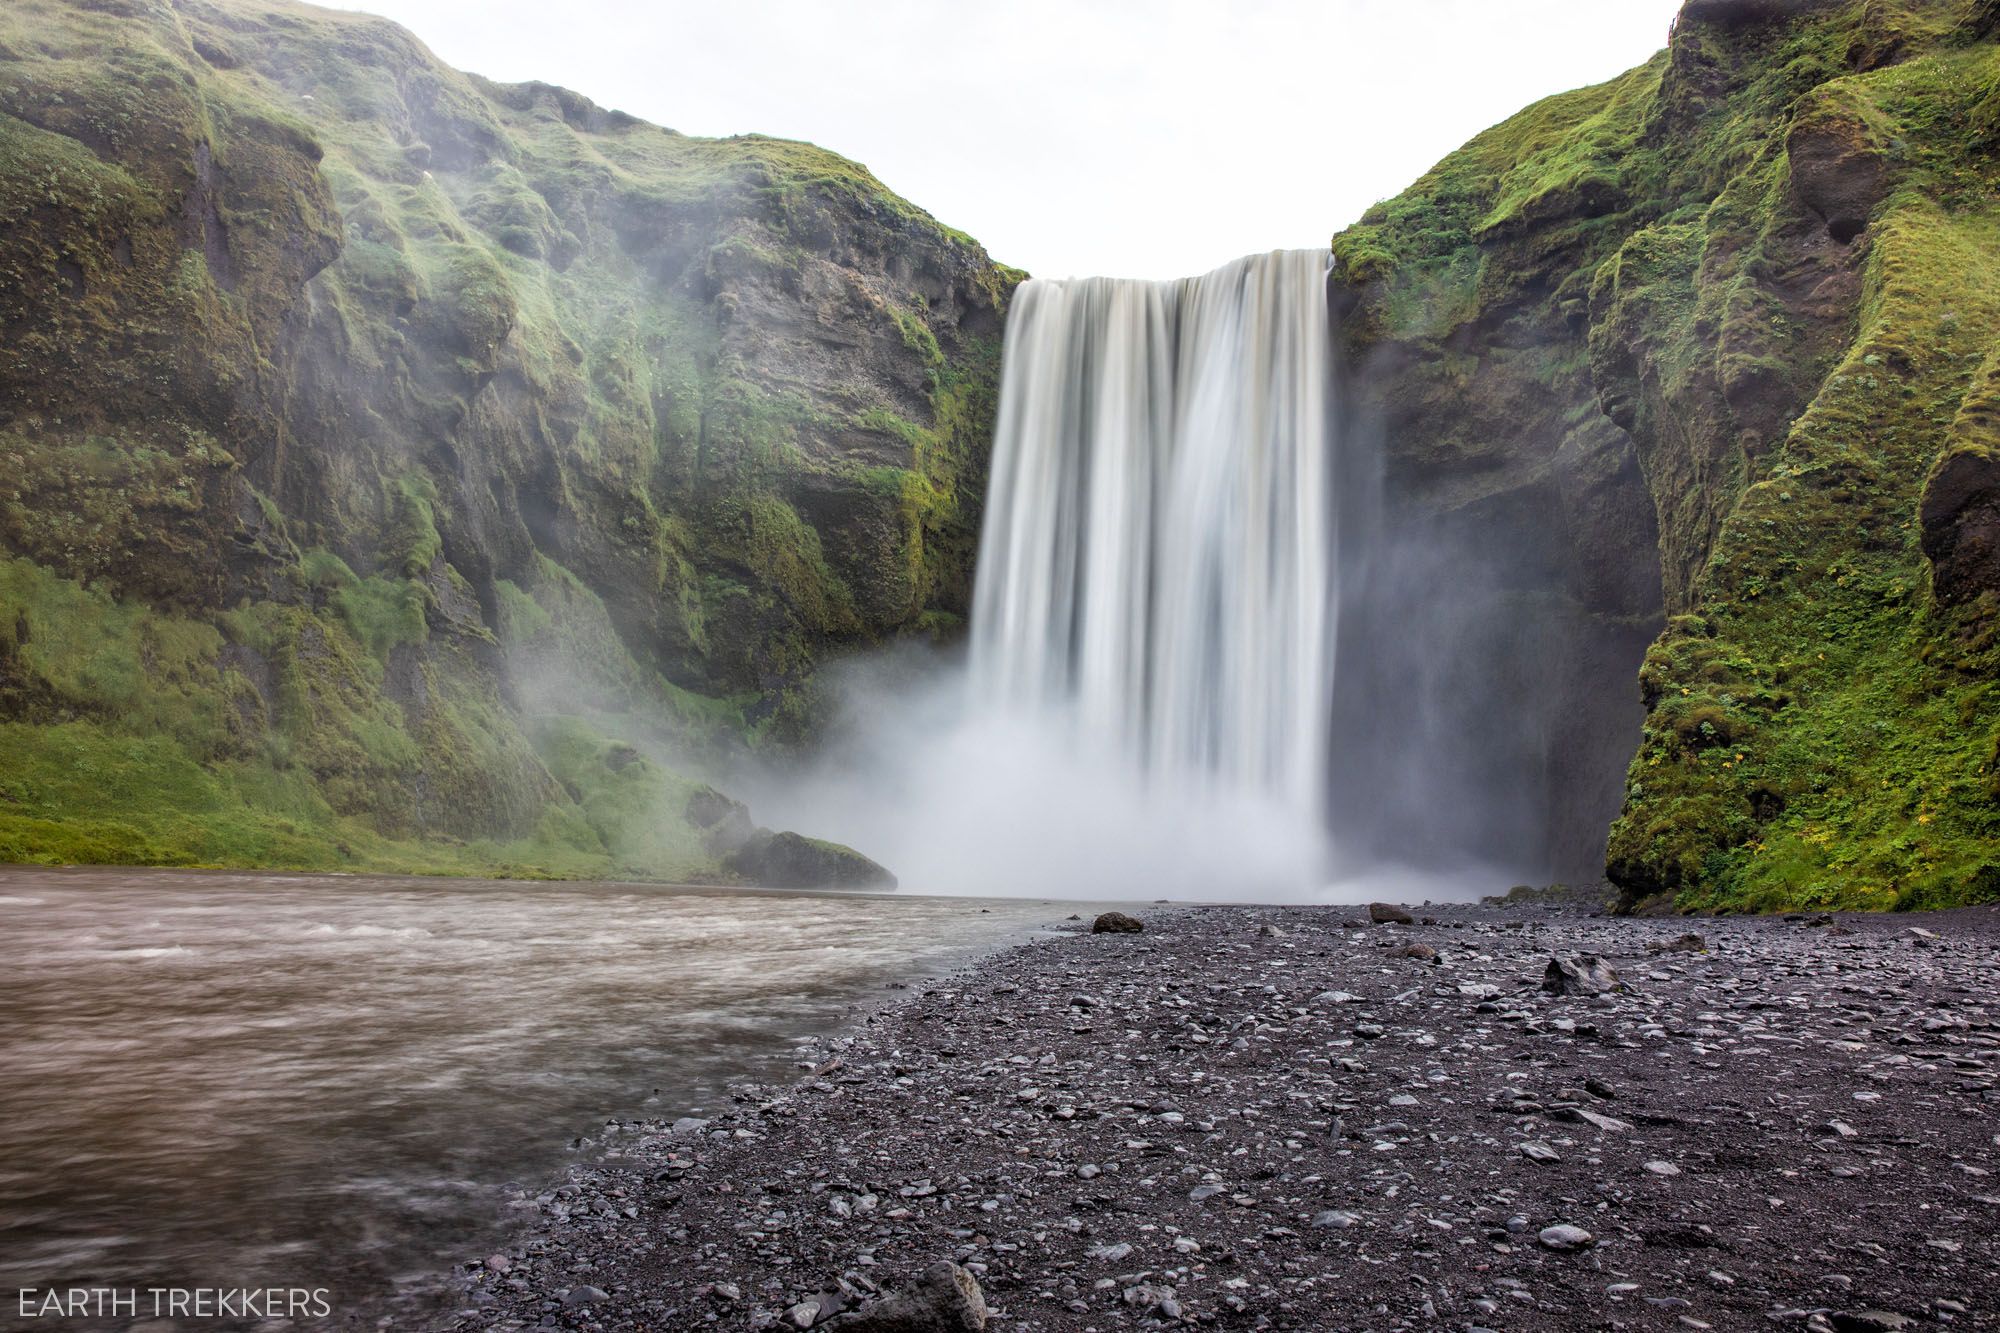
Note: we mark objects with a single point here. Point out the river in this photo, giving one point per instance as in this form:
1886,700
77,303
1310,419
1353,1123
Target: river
235,1081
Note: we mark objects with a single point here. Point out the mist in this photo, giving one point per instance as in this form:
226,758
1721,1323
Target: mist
1203,662
957,799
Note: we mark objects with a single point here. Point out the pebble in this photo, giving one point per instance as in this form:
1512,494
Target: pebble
1242,1129
1565,1237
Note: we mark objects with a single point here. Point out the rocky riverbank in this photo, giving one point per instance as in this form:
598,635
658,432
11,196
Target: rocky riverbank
1302,1119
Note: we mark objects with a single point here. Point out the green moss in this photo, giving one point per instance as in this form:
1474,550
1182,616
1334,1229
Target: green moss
413,536
917,336
1855,767
636,808
382,613
1820,730
329,365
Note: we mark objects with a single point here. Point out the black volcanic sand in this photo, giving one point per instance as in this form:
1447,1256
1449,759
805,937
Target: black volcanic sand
1266,1118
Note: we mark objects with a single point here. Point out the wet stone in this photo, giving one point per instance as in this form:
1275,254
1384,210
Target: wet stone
1198,1127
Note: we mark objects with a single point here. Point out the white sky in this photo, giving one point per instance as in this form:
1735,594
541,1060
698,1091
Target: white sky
1140,138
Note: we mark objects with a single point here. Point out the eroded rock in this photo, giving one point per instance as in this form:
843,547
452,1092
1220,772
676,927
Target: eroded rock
793,861
944,1299
1580,974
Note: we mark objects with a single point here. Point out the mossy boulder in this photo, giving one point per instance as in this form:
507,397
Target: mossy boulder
793,861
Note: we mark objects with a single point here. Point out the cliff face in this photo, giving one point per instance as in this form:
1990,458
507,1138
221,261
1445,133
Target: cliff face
1717,339
385,452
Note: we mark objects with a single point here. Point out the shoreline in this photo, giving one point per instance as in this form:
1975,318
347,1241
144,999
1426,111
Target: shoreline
1284,1117
455,1041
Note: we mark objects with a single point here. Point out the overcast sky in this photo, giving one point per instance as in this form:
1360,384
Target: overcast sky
1141,138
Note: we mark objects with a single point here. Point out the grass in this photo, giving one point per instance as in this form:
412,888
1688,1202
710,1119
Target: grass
333,375
1821,730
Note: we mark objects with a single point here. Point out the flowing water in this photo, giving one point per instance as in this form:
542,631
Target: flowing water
239,1081
1157,565
1209,659
1148,701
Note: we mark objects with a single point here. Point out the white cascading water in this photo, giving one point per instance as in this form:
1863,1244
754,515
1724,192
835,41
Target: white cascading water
1157,567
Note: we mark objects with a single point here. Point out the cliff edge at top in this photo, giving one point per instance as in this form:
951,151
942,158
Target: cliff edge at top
405,469
1717,341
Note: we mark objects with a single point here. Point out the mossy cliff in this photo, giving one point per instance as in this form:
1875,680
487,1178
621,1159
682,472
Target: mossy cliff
1716,346
403,469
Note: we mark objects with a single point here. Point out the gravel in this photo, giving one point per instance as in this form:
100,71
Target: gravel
1793,1125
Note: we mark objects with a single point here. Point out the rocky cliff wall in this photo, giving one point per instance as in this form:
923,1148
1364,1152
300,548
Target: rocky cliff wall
404,468
1715,340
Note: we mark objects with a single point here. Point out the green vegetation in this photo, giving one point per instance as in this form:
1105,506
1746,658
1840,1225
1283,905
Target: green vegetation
371,433
1779,247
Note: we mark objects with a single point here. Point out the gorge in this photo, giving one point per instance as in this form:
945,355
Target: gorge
1283,698
410,471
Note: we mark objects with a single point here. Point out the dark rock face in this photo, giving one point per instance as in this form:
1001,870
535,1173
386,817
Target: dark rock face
1961,504
1116,923
1961,517
724,822
1838,170
1733,13
792,861
1583,974
1513,551
1624,354
944,1299
439,395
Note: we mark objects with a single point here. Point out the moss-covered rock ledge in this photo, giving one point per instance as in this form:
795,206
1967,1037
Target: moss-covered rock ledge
401,470
1766,267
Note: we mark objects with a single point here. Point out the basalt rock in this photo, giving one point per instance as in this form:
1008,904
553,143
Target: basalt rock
723,821
1735,13
945,1299
1698,356
1838,170
1580,974
1116,923
793,861
1961,505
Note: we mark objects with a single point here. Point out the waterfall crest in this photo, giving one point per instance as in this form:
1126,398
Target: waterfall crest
1156,570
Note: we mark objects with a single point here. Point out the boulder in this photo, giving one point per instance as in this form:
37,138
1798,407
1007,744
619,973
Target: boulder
1383,914
724,822
790,861
1565,1237
1581,974
1688,943
1116,923
1871,1321
944,1299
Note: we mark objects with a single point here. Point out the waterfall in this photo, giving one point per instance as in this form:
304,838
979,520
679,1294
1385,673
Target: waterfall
1178,512
1156,571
